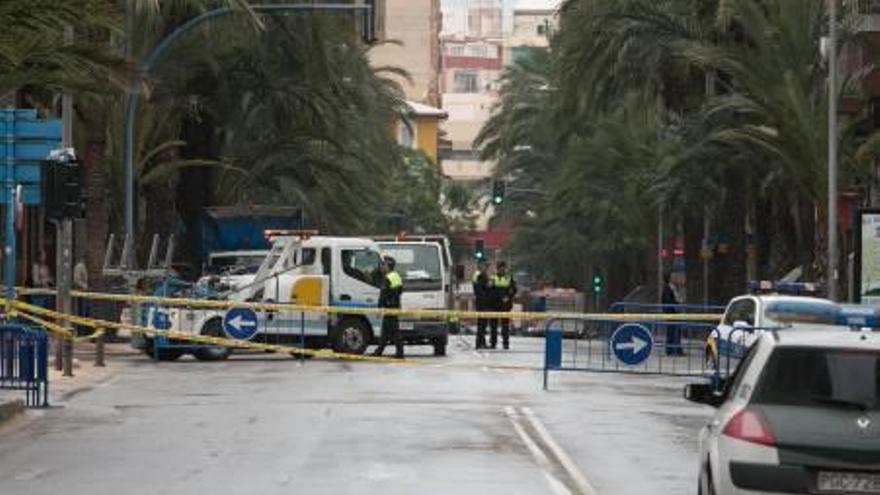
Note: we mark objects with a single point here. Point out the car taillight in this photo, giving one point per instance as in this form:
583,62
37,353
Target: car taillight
750,425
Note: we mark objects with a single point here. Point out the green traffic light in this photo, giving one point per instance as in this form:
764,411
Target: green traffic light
497,200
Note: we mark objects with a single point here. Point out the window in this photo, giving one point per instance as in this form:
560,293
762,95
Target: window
418,264
541,29
810,376
363,265
742,310
456,50
406,137
308,257
479,51
466,81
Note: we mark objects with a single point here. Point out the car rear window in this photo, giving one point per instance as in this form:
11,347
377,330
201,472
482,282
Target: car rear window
816,376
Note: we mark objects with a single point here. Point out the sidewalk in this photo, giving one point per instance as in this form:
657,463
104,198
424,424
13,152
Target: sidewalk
11,405
61,388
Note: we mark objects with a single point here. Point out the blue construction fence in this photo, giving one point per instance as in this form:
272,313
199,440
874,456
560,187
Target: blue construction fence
24,362
647,346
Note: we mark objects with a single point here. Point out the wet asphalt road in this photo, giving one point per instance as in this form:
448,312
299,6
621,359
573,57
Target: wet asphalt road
470,423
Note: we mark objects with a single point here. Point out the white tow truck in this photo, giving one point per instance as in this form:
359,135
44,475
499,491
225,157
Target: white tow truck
313,270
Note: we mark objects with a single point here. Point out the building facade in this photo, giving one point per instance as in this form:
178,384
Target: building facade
409,35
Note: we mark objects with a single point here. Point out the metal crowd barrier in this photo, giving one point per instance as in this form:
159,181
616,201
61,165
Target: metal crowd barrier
24,362
645,346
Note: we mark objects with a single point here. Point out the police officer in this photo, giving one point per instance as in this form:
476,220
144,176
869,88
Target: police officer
503,289
389,297
482,300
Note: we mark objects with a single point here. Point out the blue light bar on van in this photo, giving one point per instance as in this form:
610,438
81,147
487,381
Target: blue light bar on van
806,311
823,313
858,316
792,288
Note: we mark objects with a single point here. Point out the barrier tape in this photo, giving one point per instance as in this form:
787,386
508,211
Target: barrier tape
417,313
22,309
60,330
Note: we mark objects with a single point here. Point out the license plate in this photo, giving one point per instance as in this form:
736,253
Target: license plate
848,482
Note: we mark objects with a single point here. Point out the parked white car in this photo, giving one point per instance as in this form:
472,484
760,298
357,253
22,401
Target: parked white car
801,414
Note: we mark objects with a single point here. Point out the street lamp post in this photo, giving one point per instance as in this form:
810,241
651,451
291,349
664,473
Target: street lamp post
832,152
134,91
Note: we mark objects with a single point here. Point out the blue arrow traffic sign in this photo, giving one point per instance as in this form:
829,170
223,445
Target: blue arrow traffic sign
240,323
632,343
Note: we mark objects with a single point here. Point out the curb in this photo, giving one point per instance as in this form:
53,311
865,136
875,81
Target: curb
10,409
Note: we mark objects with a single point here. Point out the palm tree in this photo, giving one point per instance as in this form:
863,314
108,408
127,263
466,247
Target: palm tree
739,114
35,54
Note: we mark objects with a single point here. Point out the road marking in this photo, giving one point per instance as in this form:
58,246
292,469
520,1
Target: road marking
570,467
558,487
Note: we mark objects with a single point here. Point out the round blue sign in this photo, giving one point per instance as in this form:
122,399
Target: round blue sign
632,343
240,323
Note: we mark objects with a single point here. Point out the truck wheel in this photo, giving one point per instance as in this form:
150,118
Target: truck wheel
213,328
440,346
162,353
352,336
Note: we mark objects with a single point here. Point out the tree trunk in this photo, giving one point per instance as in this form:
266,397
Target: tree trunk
729,263
693,241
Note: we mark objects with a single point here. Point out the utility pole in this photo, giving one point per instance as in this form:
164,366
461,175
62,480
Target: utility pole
64,242
832,274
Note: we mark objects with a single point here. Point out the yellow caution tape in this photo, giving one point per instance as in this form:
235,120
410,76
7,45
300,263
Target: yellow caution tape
198,339
51,327
418,313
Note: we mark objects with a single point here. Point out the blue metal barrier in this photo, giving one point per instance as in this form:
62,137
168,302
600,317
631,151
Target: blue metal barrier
24,362
650,347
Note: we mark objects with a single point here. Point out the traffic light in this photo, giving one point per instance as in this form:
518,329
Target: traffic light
61,185
598,283
479,250
498,187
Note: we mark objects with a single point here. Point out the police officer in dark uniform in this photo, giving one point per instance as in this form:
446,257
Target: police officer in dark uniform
482,300
503,288
389,297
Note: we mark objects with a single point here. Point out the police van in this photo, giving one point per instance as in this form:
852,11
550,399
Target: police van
746,317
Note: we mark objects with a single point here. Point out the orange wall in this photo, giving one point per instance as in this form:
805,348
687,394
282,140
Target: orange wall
426,135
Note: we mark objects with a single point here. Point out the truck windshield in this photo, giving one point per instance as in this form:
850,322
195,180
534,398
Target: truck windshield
418,264
821,376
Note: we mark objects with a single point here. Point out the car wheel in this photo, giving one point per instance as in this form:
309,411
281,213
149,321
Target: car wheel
352,336
440,346
213,328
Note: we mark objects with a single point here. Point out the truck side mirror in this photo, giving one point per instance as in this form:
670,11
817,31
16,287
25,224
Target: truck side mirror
459,272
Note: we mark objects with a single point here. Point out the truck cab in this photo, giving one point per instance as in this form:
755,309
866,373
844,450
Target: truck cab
425,265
